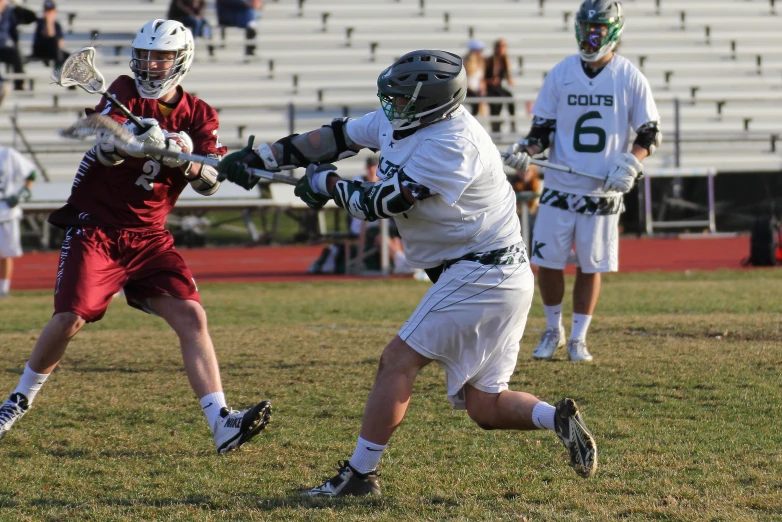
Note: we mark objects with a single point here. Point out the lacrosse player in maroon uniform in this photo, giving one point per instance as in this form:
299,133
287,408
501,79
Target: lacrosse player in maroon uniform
115,237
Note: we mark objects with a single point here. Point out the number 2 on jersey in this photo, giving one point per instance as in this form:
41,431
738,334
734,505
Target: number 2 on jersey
151,169
582,130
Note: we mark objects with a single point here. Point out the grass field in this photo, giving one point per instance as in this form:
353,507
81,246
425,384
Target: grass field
683,398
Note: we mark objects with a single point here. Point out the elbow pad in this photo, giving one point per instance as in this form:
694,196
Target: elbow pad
371,201
648,136
540,133
206,183
327,144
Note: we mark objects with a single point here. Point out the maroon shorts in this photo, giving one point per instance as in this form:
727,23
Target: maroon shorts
98,262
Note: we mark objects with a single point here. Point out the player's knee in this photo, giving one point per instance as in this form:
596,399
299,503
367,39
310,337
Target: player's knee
188,318
66,324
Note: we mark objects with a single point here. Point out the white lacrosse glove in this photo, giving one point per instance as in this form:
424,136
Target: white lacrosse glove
518,158
175,142
623,173
152,136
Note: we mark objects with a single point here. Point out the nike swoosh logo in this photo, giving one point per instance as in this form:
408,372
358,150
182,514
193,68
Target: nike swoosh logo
370,449
205,407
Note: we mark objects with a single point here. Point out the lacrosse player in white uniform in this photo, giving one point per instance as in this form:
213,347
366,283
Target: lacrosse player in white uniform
17,174
590,102
442,181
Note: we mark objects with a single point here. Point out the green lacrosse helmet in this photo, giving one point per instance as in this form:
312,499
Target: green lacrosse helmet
599,24
421,87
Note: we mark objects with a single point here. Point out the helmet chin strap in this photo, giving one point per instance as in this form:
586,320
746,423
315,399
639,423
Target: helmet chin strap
414,97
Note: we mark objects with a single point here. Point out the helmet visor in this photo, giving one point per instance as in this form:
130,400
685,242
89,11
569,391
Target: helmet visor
593,36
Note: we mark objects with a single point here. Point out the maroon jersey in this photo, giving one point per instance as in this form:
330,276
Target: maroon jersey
139,192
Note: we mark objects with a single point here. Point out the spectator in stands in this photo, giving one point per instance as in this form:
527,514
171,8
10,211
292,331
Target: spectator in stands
475,67
527,185
17,174
191,14
239,13
497,71
48,39
9,40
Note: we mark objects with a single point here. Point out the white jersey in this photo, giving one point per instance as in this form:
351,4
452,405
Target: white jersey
472,208
594,118
14,171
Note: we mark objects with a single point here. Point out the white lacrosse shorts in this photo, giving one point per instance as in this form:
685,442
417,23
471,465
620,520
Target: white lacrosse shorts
471,322
557,232
10,239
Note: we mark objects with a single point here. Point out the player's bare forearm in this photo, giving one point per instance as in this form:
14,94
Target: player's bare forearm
639,152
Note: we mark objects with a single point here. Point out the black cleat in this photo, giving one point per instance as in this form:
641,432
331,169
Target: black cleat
348,482
578,440
11,411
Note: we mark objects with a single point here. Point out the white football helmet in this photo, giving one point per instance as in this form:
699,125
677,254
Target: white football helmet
164,36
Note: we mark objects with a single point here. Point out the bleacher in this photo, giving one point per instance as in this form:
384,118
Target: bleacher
718,63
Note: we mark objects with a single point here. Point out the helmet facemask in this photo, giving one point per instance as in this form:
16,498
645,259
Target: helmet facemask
157,77
598,32
400,110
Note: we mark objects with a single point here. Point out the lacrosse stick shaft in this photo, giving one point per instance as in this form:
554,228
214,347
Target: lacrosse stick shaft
124,110
563,168
213,162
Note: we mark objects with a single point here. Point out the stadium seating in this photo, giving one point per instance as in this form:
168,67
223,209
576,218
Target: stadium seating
719,61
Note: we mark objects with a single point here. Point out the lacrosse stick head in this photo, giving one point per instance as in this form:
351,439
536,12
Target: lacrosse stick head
100,125
79,70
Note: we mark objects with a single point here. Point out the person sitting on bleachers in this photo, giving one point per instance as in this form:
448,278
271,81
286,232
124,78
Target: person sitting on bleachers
191,14
9,38
332,258
239,13
48,38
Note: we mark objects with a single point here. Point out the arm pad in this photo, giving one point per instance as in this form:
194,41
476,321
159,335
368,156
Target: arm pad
327,144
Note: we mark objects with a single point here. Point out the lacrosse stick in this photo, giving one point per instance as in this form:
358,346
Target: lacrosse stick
79,70
563,168
122,137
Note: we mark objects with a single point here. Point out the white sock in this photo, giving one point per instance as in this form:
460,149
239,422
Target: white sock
30,383
543,415
366,456
212,404
553,316
5,286
580,327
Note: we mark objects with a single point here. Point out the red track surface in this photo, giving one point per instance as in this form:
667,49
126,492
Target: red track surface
274,264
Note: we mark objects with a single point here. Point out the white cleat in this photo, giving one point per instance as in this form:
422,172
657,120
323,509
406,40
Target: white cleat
11,411
234,428
551,339
577,350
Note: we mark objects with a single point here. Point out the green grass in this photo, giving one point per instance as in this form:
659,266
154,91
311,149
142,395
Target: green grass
683,398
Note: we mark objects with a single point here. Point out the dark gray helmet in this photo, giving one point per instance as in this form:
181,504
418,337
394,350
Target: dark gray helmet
432,83
599,24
